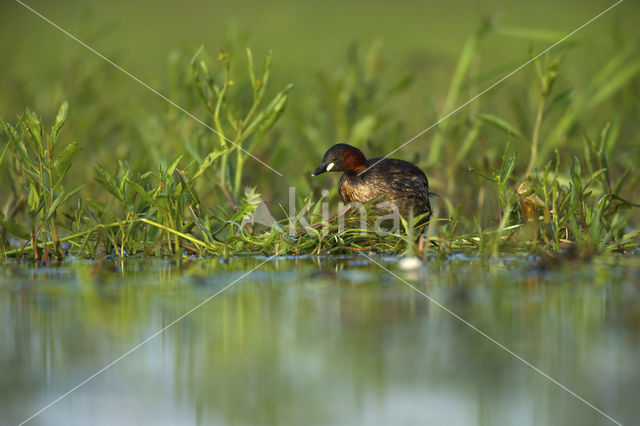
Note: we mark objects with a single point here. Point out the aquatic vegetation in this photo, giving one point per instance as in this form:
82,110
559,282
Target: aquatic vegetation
39,168
542,185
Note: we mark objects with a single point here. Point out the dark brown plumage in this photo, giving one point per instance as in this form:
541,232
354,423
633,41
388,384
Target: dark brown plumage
397,181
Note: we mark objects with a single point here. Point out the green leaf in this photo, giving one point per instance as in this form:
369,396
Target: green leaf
14,227
502,125
248,205
595,175
607,176
4,152
252,75
145,175
60,119
33,198
142,192
576,172
208,161
73,192
18,144
174,165
123,171
507,167
561,100
109,183
266,69
618,187
610,137
196,78
35,125
576,169
193,196
268,117
482,174
97,206
63,161
60,199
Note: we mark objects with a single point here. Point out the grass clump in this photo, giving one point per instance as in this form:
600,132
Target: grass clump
539,182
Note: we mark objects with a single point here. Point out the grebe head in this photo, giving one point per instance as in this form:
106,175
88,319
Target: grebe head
342,158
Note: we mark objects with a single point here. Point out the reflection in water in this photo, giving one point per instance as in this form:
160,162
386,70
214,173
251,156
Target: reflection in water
317,341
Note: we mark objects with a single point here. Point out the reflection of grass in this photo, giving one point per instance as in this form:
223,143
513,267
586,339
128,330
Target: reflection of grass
552,183
300,334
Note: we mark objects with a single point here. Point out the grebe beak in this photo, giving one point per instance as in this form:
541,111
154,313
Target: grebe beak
321,169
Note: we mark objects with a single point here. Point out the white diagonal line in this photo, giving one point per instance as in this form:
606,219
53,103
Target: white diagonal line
145,85
495,84
500,345
163,329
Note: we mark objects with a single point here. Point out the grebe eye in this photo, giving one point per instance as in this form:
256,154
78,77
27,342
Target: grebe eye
330,166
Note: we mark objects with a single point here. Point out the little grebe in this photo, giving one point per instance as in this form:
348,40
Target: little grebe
397,181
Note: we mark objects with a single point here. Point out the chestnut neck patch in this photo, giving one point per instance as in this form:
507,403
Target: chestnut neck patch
354,161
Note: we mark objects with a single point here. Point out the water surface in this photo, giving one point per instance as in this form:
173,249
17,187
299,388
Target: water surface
318,341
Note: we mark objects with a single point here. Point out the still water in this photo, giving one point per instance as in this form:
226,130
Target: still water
319,340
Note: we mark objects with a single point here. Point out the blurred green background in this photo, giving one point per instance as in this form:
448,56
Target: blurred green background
320,48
